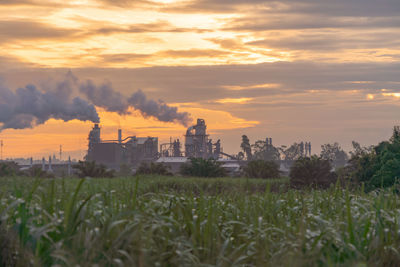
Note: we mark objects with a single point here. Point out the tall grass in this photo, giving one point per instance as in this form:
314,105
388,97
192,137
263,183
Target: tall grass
159,221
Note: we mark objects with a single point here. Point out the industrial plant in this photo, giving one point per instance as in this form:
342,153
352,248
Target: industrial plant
133,150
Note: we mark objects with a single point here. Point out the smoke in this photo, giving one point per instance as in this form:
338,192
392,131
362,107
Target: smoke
29,106
106,97
159,110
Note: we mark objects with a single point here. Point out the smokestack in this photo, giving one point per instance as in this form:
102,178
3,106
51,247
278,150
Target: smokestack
119,136
69,166
50,169
31,162
43,164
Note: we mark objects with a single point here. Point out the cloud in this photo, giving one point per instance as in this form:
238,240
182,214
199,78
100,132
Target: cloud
267,21
208,83
157,26
361,8
331,40
12,30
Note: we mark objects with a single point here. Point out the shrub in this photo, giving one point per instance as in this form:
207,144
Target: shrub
124,170
311,172
8,168
378,167
153,168
203,168
37,172
261,169
91,169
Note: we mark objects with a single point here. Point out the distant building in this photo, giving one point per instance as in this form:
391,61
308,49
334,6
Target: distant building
132,150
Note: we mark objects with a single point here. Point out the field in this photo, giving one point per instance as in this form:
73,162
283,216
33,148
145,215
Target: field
172,221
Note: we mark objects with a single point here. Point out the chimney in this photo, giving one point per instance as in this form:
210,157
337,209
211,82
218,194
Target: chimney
50,169
119,136
69,166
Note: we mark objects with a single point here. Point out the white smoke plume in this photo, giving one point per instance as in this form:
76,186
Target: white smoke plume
29,106
106,97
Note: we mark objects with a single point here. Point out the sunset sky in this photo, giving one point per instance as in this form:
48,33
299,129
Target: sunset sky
293,70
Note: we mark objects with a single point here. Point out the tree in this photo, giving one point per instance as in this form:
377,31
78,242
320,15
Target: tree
153,168
240,155
311,172
37,172
261,169
376,168
9,168
264,151
203,168
358,150
91,169
246,147
292,153
335,154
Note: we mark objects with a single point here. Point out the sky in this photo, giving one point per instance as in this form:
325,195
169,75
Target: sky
294,70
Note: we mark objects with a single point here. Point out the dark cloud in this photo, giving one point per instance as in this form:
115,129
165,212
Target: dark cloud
11,30
142,58
208,83
125,57
22,30
267,21
360,8
332,40
158,26
9,62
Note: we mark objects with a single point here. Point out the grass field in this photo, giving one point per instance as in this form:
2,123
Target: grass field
172,221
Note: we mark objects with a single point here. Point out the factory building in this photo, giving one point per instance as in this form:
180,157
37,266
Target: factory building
197,144
132,150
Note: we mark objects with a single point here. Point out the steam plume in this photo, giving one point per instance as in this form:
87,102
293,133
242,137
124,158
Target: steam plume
28,106
106,97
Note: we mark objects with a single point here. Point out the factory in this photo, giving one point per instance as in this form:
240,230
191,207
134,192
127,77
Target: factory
197,144
133,150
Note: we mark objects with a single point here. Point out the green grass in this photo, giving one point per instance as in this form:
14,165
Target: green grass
171,221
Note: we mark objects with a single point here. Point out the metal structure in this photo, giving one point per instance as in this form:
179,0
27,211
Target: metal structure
132,150
171,149
198,145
